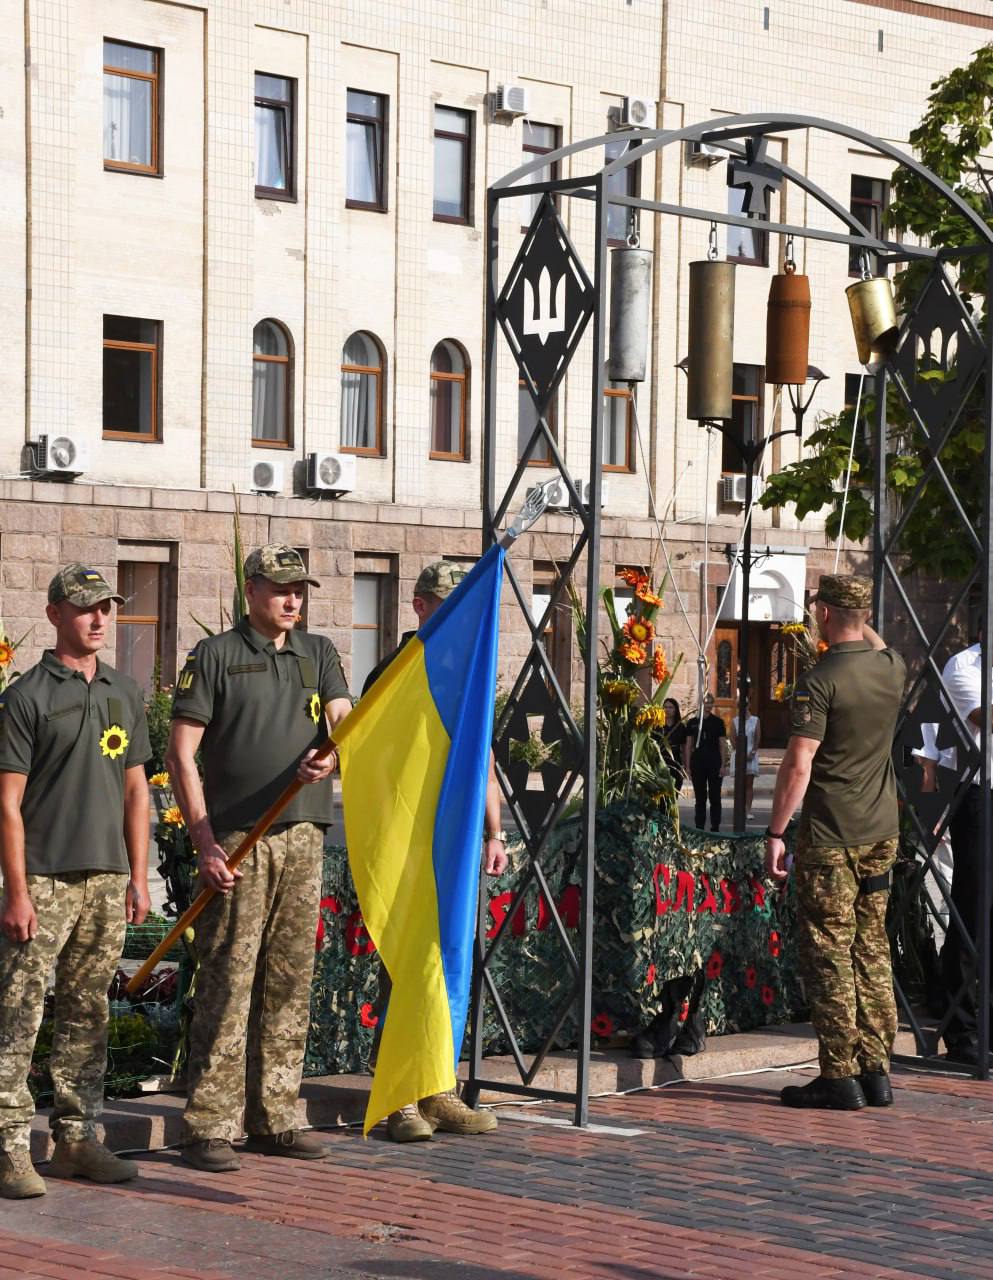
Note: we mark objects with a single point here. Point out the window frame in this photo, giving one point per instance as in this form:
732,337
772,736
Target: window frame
552,419
468,139
164,621
762,237
153,170
882,204
530,150
381,205
463,378
622,393
758,400
119,344
632,175
289,361
378,451
288,194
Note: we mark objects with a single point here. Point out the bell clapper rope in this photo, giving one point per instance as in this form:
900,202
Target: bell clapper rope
848,470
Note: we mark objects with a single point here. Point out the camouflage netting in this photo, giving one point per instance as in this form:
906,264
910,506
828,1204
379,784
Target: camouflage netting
666,909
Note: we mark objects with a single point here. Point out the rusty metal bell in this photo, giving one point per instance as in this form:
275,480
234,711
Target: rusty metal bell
787,328
874,321
711,341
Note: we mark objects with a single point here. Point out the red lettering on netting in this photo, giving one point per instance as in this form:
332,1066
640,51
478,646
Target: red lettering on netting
685,890
661,905
357,940
327,904
731,895
709,902
499,906
758,893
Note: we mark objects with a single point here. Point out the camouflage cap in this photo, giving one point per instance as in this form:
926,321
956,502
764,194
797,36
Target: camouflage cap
279,563
438,579
81,586
845,591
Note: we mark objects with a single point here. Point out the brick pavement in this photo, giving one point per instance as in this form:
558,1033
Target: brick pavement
711,1179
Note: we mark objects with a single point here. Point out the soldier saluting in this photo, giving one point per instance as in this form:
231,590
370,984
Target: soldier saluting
74,852
255,702
839,763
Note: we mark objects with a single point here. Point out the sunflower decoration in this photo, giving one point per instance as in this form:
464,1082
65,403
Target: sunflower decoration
633,652
634,578
640,630
159,780
6,653
114,742
314,708
173,816
651,716
644,593
660,670
622,693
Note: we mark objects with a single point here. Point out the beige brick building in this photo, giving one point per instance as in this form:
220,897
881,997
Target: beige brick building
242,232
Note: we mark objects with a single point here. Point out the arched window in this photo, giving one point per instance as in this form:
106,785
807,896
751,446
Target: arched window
272,386
362,370
449,393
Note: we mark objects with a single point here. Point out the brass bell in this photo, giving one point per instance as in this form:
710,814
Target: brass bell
710,358
787,328
873,309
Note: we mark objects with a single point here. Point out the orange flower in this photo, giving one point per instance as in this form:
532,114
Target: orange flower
633,578
648,596
6,654
640,630
659,669
822,646
633,652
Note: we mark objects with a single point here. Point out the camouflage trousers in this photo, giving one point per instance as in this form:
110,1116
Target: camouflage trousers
845,954
81,934
251,1013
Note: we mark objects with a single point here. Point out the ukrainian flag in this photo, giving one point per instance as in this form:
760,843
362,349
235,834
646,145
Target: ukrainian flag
414,764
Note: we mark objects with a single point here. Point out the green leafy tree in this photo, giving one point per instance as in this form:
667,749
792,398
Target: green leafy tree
956,129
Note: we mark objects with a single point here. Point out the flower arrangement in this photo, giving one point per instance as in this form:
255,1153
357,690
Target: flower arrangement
8,650
630,762
805,651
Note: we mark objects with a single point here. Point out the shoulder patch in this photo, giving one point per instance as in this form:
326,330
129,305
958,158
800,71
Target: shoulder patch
185,682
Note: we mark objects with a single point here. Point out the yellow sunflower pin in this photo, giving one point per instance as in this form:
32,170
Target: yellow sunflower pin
314,707
114,742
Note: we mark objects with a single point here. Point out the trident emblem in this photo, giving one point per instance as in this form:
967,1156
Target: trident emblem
541,317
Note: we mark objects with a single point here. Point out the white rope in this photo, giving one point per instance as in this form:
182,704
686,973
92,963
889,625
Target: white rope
848,472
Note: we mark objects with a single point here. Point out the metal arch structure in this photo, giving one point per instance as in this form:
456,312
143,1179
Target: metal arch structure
542,307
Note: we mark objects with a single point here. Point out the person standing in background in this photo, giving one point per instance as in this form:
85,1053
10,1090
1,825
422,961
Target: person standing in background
706,759
753,739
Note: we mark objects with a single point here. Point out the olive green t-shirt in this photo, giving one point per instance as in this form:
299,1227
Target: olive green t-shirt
73,739
262,709
849,702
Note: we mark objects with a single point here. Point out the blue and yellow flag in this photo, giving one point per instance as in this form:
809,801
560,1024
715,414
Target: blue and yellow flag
414,764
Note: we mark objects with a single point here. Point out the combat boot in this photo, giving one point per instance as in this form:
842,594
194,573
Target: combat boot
408,1125
211,1155
88,1158
18,1178
300,1146
841,1094
450,1114
877,1088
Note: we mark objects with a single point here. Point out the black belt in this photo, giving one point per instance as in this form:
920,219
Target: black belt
875,884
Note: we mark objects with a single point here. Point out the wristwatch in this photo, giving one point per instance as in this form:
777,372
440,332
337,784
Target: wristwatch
495,835
774,835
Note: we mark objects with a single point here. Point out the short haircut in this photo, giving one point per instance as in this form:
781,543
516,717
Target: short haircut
850,618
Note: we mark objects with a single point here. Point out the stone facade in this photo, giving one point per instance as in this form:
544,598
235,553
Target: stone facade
194,250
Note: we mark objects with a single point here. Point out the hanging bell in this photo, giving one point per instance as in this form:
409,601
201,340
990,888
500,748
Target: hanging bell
787,328
630,308
873,309
710,341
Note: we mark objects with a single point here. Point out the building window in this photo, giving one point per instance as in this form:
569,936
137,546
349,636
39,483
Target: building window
368,611
852,382
146,621
452,165
618,427
539,140
131,75
556,639
449,398
362,368
745,245
131,378
746,415
275,97
527,420
365,139
272,386
627,182
868,202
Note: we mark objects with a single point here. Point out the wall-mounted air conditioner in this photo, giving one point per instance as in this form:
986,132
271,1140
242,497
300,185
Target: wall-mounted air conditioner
60,457
636,113
733,489
511,100
330,473
558,495
703,153
267,476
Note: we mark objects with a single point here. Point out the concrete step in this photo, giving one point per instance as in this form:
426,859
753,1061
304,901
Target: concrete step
154,1120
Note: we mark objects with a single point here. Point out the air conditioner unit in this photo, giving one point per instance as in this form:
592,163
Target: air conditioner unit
61,457
703,153
637,113
511,100
733,489
267,477
332,473
558,495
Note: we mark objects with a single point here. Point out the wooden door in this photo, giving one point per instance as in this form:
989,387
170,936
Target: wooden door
724,672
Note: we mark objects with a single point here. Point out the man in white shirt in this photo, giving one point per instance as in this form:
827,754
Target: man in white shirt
962,677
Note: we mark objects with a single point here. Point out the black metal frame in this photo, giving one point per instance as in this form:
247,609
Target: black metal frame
536,690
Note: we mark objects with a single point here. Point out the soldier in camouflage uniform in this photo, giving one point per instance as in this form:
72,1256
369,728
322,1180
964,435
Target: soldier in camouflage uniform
74,853
255,702
839,764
